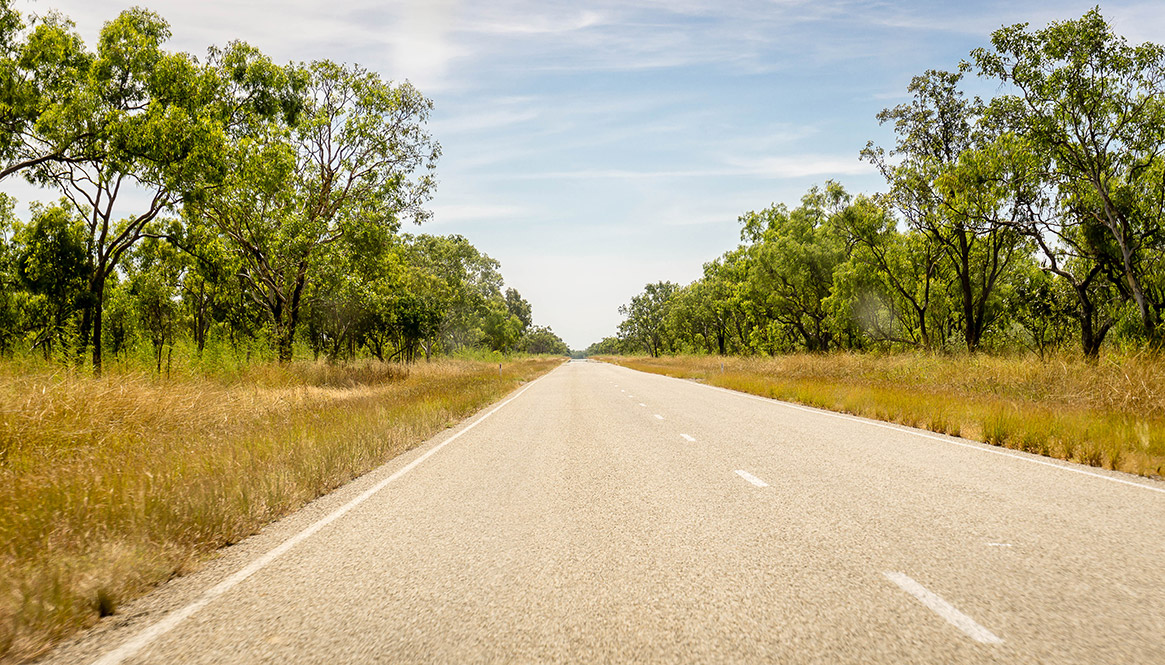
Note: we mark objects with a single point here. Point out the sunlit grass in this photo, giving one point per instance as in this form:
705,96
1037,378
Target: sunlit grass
112,485
1110,413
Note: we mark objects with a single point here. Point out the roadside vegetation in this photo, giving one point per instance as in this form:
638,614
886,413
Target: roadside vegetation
1008,285
1105,414
1034,221
112,485
213,314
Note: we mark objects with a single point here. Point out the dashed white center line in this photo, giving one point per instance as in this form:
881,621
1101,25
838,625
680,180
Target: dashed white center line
998,544
658,417
642,404
943,609
751,478
687,438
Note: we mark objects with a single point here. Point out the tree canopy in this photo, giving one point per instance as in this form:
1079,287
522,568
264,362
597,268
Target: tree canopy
265,206
1016,222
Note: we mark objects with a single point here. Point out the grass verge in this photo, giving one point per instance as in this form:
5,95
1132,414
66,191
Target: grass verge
1110,413
110,486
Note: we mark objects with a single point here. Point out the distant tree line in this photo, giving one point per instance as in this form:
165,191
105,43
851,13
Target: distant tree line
227,200
1030,220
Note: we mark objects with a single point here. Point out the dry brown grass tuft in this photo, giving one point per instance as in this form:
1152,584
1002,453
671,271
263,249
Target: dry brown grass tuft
112,485
1110,413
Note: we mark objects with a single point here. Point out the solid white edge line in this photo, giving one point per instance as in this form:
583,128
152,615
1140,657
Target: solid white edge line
152,632
943,609
981,447
687,438
751,478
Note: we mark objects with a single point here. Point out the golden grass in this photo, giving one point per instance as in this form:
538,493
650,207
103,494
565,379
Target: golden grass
110,486
1111,413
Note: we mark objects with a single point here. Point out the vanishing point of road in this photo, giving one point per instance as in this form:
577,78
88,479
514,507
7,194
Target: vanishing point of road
605,515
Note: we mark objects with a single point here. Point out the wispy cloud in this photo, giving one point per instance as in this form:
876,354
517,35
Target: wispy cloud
469,212
790,166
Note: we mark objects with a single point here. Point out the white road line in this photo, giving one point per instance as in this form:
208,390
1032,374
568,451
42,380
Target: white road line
943,609
981,447
998,544
687,438
171,620
751,478
642,404
658,417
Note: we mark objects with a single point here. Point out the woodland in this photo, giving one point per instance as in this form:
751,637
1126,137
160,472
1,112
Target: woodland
1028,222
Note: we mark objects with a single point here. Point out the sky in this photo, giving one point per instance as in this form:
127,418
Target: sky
594,146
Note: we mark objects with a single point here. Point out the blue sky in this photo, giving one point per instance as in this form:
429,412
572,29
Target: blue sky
592,147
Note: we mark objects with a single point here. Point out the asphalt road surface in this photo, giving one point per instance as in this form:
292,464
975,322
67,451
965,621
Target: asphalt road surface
605,515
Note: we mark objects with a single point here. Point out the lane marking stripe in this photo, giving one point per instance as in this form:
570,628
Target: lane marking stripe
171,620
943,609
751,478
642,404
687,438
658,417
981,447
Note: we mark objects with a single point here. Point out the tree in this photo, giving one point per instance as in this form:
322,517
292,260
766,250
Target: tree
141,112
795,255
517,305
542,340
940,182
155,273
51,266
646,315
500,329
10,286
348,166
901,269
456,280
1095,107
40,72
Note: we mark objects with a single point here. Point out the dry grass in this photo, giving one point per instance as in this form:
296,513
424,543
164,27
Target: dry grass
110,486
1110,414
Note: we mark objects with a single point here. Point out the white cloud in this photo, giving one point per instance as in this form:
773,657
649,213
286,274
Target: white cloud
524,24
468,212
789,166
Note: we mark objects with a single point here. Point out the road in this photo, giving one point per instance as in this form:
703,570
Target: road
606,515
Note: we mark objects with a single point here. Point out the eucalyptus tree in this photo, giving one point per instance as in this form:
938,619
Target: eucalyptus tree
50,264
938,186
794,256
901,270
10,287
456,280
543,340
1094,107
645,319
354,162
155,273
519,307
40,67
140,113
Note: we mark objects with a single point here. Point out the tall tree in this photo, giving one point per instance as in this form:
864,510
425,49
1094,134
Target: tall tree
1095,106
356,161
936,183
795,255
142,111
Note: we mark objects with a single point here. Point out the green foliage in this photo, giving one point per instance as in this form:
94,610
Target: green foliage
645,324
1018,222
270,222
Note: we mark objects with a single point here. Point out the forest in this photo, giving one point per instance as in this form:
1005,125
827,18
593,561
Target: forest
1029,221
226,207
